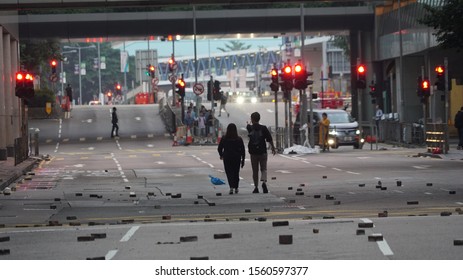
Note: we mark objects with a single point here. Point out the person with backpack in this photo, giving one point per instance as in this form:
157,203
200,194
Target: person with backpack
231,151
257,148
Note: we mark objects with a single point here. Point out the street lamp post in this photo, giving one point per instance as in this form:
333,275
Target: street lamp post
80,72
62,71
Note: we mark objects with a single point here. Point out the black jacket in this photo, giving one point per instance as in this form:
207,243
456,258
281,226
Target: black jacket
232,149
266,137
459,119
114,119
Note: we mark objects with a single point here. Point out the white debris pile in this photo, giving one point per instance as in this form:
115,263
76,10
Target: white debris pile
298,149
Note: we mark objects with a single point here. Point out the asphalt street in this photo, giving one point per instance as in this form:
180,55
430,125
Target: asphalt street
140,197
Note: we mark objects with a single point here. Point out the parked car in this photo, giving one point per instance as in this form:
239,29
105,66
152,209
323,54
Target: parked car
94,102
344,130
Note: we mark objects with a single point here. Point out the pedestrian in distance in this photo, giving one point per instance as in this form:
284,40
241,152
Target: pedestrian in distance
223,103
114,121
378,117
231,151
459,126
257,148
324,127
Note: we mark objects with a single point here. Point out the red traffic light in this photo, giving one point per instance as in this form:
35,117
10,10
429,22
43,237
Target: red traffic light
274,73
287,70
118,86
361,69
439,70
181,83
298,68
425,84
151,68
53,63
19,76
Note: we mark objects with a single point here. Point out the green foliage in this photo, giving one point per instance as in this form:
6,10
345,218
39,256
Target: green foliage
342,42
234,46
41,97
447,21
36,55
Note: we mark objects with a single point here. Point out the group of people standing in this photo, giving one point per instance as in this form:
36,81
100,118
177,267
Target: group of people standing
231,150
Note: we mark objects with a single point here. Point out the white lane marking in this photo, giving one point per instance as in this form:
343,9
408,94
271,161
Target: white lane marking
283,171
82,139
384,247
351,193
363,157
337,169
111,254
57,147
377,178
126,181
365,220
129,234
211,166
301,207
421,166
308,162
428,193
118,145
459,203
319,165
445,190
270,110
354,173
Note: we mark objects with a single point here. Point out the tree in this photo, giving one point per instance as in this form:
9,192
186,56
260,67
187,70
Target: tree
235,46
447,21
342,42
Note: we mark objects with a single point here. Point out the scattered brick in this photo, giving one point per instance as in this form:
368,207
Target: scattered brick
317,196
93,195
222,235
307,218
280,223
428,184
299,189
328,217
157,206
209,220
168,194
399,183
337,202
290,188
325,177
360,232
52,206
4,252
375,237
299,193
315,230
445,213
95,224
166,217
200,196
274,178
244,219
452,192
57,199
178,195
329,197
247,210
188,238
365,225
4,238
151,194
302,185
195,202
292,201
54,223
458,242
412,202
383,188
128,221
218,194
199,258
361,185
96,258
286,239
132,194
266,209
69,218
85,238
128,187
78,194
383,214
211,203
261,219
74,224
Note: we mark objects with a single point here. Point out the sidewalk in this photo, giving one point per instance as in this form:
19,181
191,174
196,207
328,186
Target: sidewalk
453,153
9,172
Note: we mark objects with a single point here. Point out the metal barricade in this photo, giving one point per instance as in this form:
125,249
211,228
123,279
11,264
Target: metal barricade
435,138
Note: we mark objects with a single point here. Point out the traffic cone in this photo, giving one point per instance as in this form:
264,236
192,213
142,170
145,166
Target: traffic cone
175,143
219,136
189,139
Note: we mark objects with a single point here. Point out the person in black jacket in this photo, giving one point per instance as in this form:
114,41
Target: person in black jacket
459,126
257,148
114,121
231,151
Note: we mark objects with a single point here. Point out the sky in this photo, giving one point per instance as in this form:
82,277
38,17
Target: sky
204,47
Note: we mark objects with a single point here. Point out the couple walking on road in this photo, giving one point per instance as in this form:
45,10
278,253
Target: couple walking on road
231,151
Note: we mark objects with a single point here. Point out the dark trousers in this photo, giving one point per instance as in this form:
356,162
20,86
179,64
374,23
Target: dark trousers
460,135
232,169
256,162
116,128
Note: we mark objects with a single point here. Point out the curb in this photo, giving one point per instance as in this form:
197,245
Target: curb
19,171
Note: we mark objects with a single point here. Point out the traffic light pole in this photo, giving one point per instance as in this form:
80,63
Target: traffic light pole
447,107
312,137
286,120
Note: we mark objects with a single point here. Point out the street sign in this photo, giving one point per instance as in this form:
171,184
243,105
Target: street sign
174,66
198,89
54,78
155,81
173,78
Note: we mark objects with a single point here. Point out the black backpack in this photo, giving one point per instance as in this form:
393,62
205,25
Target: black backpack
256,141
